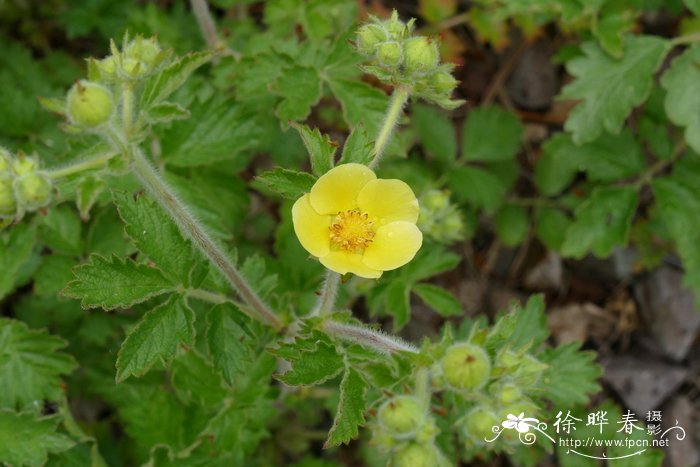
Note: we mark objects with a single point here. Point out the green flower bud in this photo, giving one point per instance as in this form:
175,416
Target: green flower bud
420,54
479,424
143,50
508,394
416,455
24,165
507,359
133,68
389,53
435,200
443,82
107,67
8,202
368,37
89,104
401,416
427,432
395,26
466,366
33,190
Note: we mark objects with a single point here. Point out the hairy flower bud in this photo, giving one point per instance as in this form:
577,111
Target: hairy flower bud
143,50
368,37
466,366
33,190
479,424
420,54
390,53
443,82
416,455
508,393
89,104
401,415
24,165
396,27
8,203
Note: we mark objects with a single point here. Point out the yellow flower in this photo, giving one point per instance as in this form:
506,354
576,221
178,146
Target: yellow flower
354,222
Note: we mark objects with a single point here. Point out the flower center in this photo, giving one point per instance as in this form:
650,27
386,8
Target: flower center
352,231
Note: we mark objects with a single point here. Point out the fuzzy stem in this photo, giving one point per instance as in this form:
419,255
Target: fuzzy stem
391,119
205,22
327,299
208,296
80,166
191,228
127,107
368,337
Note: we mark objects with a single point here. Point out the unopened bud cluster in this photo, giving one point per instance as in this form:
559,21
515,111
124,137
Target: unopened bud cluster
498,385
399,57
439,219
23,186
91,104
405,428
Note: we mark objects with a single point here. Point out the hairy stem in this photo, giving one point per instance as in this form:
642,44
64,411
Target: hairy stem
127,107
327,299
367,337
208,296
191,228
81,166
205,22
391,119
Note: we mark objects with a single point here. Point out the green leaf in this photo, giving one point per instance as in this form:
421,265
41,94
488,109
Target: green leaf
226,338
572,375
53,274
550,227
320,148
156,337
602,222
289,184
161,85
89,189
195,380
610,88
358,147
115,283
167,112
438,299
156,235
300,88
682,83
530,324
429,263
477,186
30,365
491,134
219,129
28,440
436,132
60,230
557,167
610,28
398,303
351,409
678,205
16,247
313,366
512,225
693,5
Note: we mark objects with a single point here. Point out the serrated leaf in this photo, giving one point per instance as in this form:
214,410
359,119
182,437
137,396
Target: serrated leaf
572,375
195,380
16,247
550,227
351,409
478,186
436,132
320,148
115,283
678,205
398,303
226,339
300,89
30,365
491,134
156,337
610,28
430,262
156,235
89,189
167,112
610,88
28,440
512,225
438,299
219,129
161,85
602,222
682,84
358,147
289,184
530,324
313,366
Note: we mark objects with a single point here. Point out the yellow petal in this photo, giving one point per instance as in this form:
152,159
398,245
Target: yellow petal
311,228
388,201
344,262
393,246
337,189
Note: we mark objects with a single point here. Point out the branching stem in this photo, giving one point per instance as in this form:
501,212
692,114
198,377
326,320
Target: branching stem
81,166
